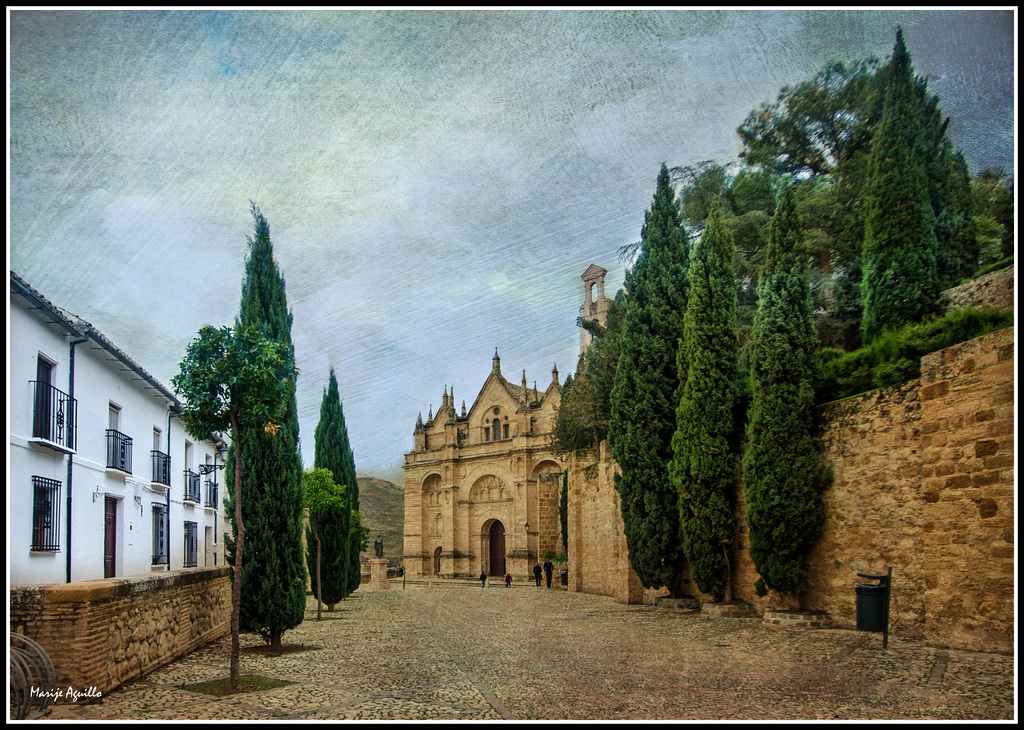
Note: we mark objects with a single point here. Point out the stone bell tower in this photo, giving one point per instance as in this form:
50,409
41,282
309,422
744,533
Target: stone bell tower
595,303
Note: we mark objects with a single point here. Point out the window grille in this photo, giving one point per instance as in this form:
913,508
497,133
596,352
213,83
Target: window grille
159,533
191,544
45,514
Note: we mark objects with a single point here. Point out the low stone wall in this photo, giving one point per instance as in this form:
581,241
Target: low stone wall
103,633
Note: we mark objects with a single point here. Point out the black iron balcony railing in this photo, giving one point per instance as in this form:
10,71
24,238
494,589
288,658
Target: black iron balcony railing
54,415
119,451
211,494
161,468
191,486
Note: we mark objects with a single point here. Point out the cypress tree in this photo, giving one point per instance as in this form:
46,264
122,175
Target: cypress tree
782,473
273,596
900,274
643,398
334,523
703,468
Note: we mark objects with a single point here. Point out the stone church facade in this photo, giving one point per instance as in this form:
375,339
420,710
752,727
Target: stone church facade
482,486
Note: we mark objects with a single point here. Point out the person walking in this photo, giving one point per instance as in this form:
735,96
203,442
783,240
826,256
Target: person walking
536,574
549,568
508,580
483,579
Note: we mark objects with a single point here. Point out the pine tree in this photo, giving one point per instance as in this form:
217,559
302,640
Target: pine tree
782,473
273,572
642,419
900,274
334,523
703,468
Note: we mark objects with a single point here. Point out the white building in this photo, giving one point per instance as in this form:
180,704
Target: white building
103,481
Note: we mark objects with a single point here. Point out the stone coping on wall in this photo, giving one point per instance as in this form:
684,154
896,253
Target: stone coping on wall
109,589
729,610
798,619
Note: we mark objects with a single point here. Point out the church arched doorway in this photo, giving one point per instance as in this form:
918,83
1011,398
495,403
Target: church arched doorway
494,543
437,561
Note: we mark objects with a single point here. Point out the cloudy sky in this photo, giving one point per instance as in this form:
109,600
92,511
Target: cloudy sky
436,181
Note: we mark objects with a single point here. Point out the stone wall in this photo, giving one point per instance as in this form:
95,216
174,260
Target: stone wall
103,633
923,482
991,290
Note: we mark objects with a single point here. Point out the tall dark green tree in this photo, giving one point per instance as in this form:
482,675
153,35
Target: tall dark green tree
704,467
900,273
782,472
274,572
331,452
643,397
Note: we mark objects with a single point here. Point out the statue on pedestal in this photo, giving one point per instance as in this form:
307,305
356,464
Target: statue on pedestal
378,547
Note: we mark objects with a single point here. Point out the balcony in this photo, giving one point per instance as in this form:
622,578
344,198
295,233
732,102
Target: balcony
119,451
53,421
211,495
191,486
161,468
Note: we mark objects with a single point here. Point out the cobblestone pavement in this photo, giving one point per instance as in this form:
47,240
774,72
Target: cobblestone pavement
459,652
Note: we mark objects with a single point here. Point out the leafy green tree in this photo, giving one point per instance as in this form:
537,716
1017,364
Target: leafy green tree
782,472
816,125
900,282
992,201
643,397
234,382
582,421
274,579
323,499
332,452
703,467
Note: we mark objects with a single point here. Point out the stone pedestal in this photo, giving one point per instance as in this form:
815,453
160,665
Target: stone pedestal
378,575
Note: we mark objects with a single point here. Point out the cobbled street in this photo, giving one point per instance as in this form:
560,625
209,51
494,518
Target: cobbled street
454,651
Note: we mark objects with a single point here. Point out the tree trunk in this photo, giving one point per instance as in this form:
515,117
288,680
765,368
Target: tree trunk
319,590
236,589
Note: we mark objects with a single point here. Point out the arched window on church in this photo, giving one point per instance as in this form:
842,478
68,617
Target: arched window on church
496,429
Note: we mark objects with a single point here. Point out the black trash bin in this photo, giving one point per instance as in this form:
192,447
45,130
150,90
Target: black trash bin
564,575
871,607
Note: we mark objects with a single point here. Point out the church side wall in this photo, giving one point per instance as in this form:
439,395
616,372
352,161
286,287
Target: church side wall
923,482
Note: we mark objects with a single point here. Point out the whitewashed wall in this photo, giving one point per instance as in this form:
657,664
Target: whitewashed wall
99,380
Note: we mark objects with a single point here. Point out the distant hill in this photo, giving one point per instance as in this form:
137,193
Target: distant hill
382,509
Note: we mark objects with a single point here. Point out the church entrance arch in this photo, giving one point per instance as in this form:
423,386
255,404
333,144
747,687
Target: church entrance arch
437,561
492,543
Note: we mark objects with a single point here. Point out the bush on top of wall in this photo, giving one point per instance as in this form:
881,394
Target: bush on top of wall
895,357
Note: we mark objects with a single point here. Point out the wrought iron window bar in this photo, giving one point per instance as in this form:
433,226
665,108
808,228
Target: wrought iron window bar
45,514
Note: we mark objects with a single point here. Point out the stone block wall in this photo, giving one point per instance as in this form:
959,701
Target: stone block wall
967,481
103,633
923,482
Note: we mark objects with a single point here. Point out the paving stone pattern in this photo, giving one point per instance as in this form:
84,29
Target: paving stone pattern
454,651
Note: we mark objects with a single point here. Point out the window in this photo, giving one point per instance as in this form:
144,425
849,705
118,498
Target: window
159,533
191,544
45,514
496,428
504,430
